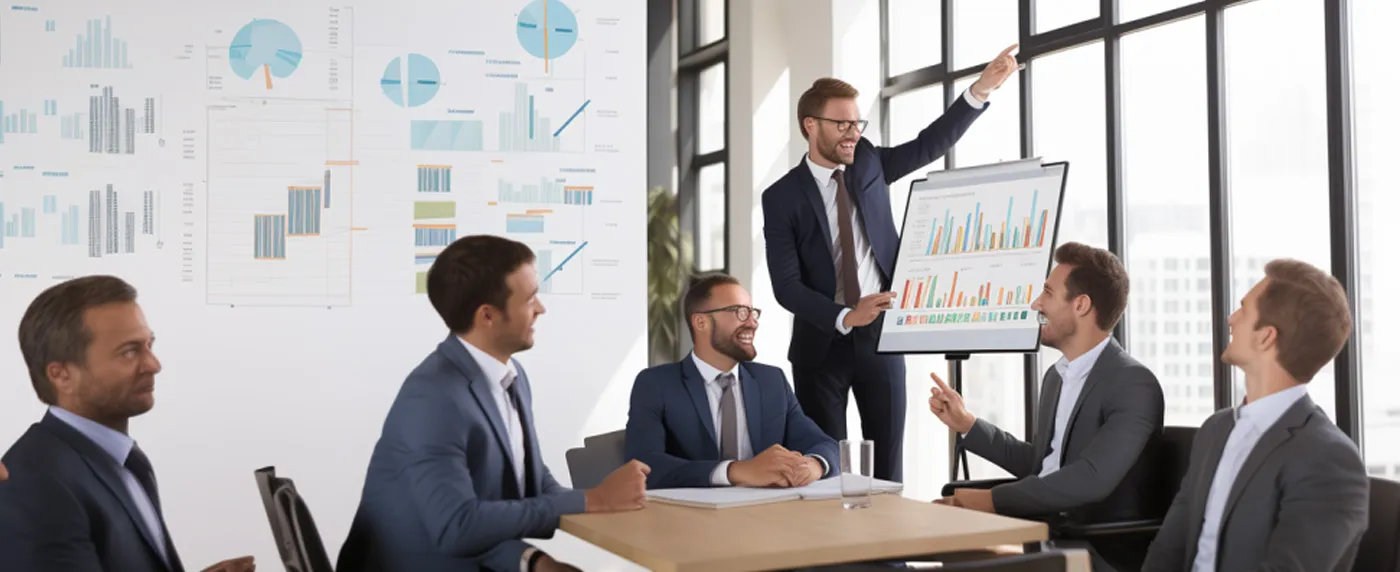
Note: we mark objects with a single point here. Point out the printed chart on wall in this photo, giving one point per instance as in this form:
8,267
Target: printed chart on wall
975,250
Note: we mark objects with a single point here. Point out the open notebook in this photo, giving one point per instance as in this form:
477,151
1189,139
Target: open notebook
730,497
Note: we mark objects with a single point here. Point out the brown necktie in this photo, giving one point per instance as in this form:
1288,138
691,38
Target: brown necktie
846,269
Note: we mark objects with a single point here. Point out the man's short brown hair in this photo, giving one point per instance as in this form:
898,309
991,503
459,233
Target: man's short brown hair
813,101
54,329
1309,309
1100,275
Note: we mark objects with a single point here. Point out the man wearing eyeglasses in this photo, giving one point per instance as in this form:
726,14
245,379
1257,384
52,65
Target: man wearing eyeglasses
831,240
716,418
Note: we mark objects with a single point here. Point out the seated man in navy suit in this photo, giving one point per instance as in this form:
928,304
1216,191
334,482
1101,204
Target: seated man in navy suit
716,418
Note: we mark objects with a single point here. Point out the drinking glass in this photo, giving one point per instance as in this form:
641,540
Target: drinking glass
857,472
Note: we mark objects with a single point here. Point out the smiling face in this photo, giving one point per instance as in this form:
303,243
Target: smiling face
1060,313
827,139
1248,342
117,377
513,326
728,335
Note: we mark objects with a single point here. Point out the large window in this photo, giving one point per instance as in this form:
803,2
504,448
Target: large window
702,128
1377,146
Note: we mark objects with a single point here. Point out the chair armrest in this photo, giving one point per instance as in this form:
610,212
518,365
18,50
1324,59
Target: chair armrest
979,484
1106,528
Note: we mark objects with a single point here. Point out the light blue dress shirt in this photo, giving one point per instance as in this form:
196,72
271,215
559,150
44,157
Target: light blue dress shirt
119,445
1252,420
1073,376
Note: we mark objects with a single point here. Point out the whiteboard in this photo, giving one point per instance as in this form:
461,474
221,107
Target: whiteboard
976,247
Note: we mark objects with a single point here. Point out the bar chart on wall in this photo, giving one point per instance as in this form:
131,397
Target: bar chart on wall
973,257
58,225
538,117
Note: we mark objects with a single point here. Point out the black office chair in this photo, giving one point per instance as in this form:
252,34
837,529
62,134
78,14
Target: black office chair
1072,560
1379,550
599,457
293,529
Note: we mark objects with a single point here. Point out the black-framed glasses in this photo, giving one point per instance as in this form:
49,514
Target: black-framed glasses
845,125
741,312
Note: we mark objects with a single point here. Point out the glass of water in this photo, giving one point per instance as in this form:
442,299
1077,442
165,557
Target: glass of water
857,472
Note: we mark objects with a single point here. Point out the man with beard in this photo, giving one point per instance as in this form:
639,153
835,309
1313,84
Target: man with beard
716,418
456,481
1100,410
1273,484
830,237
83,495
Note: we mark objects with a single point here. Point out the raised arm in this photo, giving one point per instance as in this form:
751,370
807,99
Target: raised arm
646,442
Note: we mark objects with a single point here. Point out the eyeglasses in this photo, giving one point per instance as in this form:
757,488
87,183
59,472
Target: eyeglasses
844,125
742,313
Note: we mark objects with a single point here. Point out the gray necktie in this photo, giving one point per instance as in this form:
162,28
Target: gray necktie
728,420
846,270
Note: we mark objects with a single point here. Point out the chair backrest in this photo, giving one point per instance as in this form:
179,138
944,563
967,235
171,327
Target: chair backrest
293,529
599,456
1379,550
1174,459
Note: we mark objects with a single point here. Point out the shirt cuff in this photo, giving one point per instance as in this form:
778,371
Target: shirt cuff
826,467
973,100
841,322
720,476
525,558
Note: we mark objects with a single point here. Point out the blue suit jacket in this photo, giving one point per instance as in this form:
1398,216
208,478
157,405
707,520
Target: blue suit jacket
65,508
671,429
436,496
798,236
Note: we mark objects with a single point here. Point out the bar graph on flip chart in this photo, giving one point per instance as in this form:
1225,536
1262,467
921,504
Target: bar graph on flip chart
975,250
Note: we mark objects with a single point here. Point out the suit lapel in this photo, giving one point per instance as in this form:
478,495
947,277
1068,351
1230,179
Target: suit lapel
1099,370
809,190
527,418
107,471
1276,435
1210,461
695,386
753,408
480,387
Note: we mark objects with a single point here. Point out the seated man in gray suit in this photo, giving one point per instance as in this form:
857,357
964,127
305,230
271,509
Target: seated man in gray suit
716,418
456,480
1273,484
1100,409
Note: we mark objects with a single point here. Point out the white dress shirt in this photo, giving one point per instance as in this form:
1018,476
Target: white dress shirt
867,270
1251,421
720,476
118,445
501,375
1073,375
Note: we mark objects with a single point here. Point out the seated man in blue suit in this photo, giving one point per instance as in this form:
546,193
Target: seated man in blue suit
716,418
456,480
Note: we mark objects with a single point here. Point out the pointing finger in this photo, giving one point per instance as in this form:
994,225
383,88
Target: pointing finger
939,381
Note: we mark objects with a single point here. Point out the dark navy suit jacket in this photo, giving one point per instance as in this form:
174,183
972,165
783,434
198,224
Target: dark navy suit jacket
436,495
798,236
670,426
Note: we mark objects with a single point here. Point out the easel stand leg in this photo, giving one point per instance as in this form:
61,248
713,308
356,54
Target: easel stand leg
955,363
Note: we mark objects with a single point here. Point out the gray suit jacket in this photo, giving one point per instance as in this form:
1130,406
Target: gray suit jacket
440,491
1104,475
1299,503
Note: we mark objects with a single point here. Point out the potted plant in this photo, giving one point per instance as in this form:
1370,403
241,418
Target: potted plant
668,267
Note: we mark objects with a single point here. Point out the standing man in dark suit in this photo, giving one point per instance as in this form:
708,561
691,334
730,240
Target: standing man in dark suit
716,418
84,495
830,237
456,481
1273,484
1100,410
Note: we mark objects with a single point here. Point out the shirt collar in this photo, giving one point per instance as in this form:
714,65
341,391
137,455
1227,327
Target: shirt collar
822,174
1081,365
710,373
1264,412
117,444
495,370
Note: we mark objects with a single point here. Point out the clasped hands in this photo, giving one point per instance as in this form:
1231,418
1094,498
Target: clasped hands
776,467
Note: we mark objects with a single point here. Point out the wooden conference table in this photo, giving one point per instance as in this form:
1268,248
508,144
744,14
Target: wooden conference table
794,534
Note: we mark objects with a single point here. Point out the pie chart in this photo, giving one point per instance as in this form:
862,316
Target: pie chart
410,81
547,29
266,46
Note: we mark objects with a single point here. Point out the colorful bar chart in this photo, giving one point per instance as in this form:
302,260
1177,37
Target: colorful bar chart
270,237
531,222
976,232
963,317
303,211
97,48
434,235
926,292
434,178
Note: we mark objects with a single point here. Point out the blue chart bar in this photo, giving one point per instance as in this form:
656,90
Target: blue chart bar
304,211
434,178
97,49
571,117
445,135
270,237
523,129
26,228
437,235
70,226
544,264
524,224
50,204
72,126
424,259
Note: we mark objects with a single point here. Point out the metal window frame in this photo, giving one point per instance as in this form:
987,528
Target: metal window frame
1107,29
692,61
